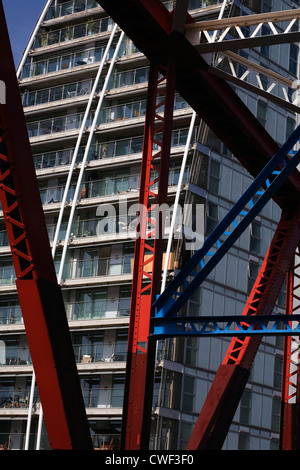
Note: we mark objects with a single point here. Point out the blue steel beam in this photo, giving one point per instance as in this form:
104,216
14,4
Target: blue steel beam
232,325
229,229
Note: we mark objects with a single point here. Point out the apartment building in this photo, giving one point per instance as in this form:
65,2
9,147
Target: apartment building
86,134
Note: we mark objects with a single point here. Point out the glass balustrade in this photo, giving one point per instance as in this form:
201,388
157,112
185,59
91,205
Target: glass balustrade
73,59
7,274
14,356
99,150
57,124
107,115
97,309
68,8
83,88
100,352
16,441
96,267
62,92
47,38
66,61
107,186
14,399
10,315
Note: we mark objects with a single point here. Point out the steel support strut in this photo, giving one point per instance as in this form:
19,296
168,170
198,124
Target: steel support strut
289,426
226,390
39,294
147,270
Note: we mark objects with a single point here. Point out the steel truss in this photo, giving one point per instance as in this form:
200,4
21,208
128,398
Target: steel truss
226,29
226,390
289,435
39,294
146,282
150,27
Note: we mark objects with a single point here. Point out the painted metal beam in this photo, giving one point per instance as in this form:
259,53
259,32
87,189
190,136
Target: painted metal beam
149,25
40,296
146,282
228,325
290,398
228,230
227,388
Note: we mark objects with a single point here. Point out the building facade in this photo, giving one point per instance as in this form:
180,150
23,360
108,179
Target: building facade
86,134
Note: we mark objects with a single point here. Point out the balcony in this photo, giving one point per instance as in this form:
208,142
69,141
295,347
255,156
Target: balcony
84,30
108,186
98,309
73,60
16,441
58,93
69,8
102,150
83,88
56,125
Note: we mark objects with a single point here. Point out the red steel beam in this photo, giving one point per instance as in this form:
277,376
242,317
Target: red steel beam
289,426
149,24
146,281
226,390
39,294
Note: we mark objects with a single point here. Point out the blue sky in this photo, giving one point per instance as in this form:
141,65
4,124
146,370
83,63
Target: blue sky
21,17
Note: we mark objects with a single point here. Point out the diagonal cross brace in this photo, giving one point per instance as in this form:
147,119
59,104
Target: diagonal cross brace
271,177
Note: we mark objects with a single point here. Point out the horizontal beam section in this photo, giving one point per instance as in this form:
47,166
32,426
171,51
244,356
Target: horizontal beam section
243,43
233,325
245,20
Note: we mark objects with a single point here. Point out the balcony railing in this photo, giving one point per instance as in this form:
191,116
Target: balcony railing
94,397
70,60
68,8
108,186
14,355
100,352
57,124
98,309
107,115
57,93
110,149
10,315
16,441
78,269
83,87
48,38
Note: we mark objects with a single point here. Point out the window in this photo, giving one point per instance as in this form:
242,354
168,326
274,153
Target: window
214,177
290,126
243,443
252,275
117,392
282,295
255,237
245,407
191,349
185,433
90,387
88,347
212,217
277,378
124,302
275,419
293,62
90,304
262,112
188,393
121,346
265,31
